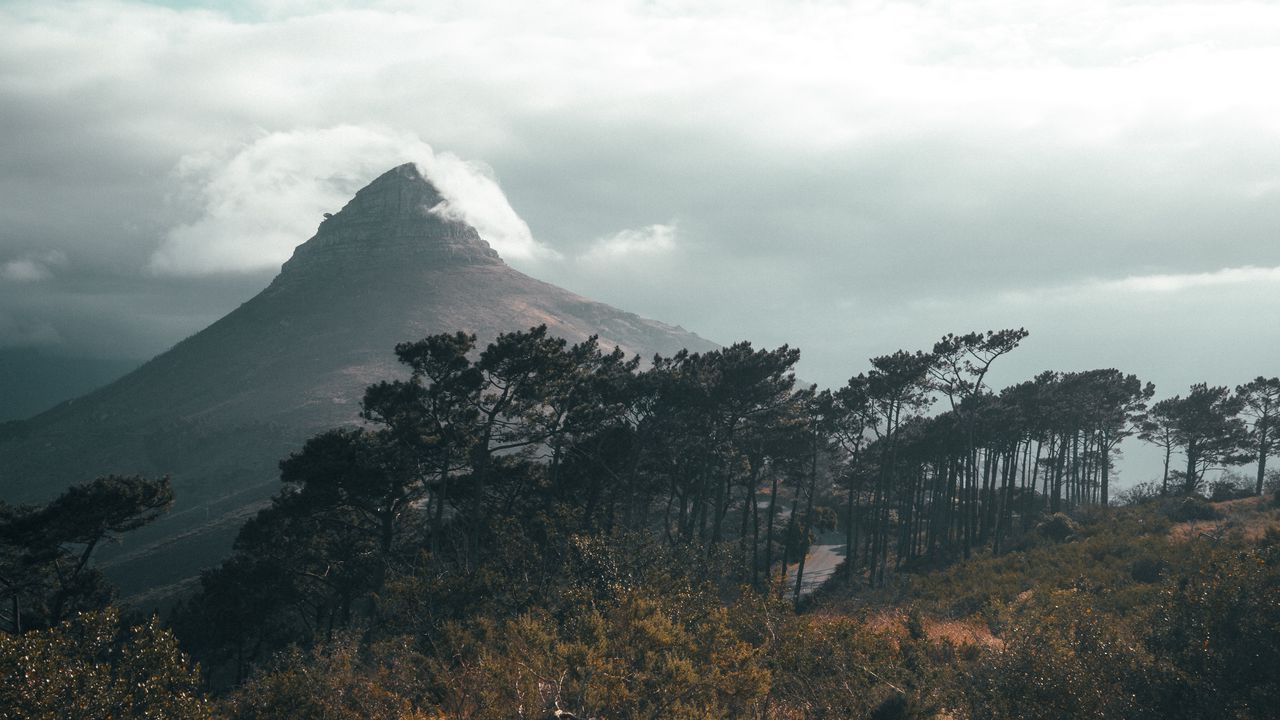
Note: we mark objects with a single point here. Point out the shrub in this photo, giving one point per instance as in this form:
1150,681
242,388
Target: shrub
1190,508
331,681
1064,658
1148,569
1219,626
1058,528
89,667
838,668
636,655
1139,494
1271,481
1230,487
967,605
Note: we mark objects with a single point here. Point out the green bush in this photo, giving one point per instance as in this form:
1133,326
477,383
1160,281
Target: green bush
1189,509
1058,528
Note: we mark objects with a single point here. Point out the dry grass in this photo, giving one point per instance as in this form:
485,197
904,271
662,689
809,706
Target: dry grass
960,633
1246,518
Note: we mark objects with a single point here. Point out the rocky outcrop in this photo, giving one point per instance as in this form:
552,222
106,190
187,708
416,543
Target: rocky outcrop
394,221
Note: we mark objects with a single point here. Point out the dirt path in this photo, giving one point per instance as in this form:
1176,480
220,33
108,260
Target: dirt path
819,565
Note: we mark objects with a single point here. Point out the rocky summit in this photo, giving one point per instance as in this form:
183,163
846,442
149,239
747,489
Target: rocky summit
220,409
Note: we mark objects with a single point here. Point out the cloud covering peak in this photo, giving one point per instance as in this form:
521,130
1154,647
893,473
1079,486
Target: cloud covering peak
260,200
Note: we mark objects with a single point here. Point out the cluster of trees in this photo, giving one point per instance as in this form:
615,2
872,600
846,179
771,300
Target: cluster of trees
502,509
485,466
986,468
1212,428
45,572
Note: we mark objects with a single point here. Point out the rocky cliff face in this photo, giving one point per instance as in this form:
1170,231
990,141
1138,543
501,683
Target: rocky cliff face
390,223
220,409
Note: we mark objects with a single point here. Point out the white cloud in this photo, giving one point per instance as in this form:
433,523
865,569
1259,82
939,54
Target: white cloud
262,199
473,196
1176,283
633,244
1138,287
24,271
33,268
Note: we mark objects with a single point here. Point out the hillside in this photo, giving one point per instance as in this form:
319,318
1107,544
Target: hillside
220,409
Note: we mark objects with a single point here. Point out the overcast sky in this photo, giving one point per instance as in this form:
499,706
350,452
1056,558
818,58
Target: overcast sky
851,178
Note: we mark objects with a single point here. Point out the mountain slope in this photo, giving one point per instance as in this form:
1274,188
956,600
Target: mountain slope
221,408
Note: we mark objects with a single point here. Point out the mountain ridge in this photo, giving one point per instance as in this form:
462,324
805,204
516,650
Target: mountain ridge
218,410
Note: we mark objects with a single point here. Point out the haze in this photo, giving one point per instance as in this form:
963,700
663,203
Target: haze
849,178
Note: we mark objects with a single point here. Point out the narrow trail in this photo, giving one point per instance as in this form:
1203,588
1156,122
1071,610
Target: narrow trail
819,565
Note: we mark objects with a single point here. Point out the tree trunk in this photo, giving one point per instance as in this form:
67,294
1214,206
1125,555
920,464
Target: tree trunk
1164,480
1190,481
850,531
1263,451
755,538
768,540
807,525
786,547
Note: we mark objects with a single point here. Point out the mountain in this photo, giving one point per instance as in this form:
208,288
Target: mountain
221,408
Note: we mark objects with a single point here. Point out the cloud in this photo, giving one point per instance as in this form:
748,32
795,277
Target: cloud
627,246
849,177
1175,283
26,332
1139,287
262,199
473,196
32,269
868,135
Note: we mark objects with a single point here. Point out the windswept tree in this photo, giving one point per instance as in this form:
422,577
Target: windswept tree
961,362
1208,430
1029,403
1116,405
820,417
1158,427
708,411
363,474
852,423
897,391
45,551
747,392
1260,405
959,371
431,416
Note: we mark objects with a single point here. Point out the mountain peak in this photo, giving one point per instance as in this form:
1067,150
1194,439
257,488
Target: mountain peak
396,220
403,182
